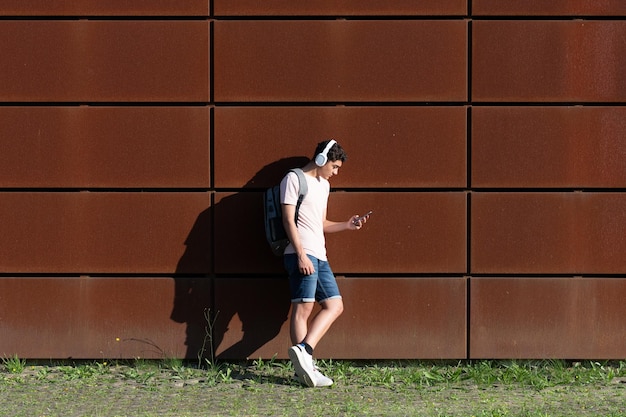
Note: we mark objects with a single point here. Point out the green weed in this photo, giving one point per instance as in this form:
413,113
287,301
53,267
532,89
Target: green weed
14,365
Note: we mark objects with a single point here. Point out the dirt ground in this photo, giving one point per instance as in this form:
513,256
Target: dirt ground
51,392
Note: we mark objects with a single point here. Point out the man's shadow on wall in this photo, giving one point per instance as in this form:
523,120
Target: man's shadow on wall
262,310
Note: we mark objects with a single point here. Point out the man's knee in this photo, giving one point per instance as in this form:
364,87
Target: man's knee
334,306
302,311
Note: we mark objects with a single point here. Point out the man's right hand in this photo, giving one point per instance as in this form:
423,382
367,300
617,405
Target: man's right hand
305,265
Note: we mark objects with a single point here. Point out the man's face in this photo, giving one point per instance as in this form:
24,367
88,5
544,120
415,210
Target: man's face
331,168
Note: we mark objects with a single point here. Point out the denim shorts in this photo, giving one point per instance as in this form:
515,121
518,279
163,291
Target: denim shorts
319,286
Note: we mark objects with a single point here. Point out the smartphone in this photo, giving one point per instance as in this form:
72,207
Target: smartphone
358,219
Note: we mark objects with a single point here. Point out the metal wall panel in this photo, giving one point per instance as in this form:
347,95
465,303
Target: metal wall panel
549,8
252,317
548,147
338,7
424,318
408,233
542,233
104,8
387,146
144,317
87,147
239,229
87,318
104,61
399,318
121,232
340,60
543,61
568,318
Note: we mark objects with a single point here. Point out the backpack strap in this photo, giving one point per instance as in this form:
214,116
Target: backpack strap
304,189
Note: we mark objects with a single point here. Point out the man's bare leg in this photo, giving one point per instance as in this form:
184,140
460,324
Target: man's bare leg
302,331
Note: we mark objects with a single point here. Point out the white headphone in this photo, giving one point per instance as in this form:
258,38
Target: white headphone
322,157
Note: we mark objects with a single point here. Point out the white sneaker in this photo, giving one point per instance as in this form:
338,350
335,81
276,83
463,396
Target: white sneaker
321,380
303,364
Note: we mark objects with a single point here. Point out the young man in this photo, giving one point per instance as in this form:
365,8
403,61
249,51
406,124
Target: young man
310,277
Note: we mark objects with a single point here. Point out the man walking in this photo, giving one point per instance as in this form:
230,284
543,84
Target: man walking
310,276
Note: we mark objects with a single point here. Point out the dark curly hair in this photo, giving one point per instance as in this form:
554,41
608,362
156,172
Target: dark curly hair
335,153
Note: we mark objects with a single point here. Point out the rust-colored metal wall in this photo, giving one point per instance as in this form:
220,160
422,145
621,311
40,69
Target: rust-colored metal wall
137,137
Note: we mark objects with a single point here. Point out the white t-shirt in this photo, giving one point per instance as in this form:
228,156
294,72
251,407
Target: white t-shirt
311,214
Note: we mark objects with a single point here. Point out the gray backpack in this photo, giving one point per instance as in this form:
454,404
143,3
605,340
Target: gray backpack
274,229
